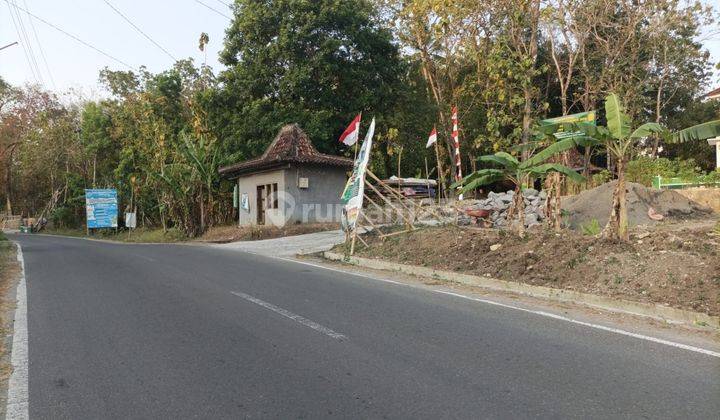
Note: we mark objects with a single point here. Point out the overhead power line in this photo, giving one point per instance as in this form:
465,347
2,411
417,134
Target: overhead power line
213,9
139,30
42,51
28,43
66,33
22,42
8,45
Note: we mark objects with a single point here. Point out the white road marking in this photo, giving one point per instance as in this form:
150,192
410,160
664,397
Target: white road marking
295,317
588,324
17,397
518,308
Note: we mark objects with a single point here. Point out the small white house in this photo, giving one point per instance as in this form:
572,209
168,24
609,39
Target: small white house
290,183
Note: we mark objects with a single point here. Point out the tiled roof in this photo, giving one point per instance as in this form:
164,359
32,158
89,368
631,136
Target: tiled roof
291,145
714,94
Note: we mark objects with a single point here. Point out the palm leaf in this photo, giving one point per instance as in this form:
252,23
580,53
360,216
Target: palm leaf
501,158
618,122
478,174
592,130
550,151
649,129
545,168
698,132
480,181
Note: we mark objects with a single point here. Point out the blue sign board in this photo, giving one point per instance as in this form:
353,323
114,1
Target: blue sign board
102,208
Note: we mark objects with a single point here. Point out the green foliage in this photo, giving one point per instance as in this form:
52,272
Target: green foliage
159,136
315,63
698,132
601,177
592,228
644,169
618,122
66,217
517,172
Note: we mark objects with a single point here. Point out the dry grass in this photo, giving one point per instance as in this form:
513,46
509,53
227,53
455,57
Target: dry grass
139,235
9,275
674,264
234,233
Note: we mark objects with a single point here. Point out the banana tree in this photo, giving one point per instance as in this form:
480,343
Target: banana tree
698,132
546,133
512,170
620,140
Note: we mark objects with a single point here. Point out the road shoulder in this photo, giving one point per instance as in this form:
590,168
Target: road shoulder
702,337
11,280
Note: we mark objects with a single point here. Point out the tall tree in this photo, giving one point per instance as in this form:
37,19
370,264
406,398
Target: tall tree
316,63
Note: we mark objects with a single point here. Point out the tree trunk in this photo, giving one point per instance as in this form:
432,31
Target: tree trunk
202,211
8,186
517,208
553,212
532,51
617,226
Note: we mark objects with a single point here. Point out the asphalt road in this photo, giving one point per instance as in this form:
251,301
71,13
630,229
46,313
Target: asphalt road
147,331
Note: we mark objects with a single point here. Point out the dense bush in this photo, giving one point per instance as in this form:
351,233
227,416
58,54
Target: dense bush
644,169
66,217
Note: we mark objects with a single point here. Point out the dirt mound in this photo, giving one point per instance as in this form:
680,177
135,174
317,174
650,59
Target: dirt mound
596,204
674,264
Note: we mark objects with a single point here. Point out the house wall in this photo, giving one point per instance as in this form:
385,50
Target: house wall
248,185
320,202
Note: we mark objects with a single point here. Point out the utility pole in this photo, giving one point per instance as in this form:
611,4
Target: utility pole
8,45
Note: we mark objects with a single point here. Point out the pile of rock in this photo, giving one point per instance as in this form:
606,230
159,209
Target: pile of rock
499,203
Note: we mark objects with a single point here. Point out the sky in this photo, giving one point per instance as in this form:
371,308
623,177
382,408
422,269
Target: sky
174,25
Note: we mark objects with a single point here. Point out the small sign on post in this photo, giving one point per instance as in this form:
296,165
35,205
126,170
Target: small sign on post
130,221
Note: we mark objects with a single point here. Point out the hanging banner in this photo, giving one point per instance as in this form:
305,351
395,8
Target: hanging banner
102,208
352,196
582,117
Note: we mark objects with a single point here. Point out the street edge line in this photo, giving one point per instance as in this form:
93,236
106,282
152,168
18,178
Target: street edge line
518,308
647,310
17,396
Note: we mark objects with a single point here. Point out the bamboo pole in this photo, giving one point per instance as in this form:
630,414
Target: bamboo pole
367,219
441,175
399,196
395,233
379,207
388,202
401,199
352,244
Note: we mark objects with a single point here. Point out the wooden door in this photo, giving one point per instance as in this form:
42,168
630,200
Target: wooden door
261,204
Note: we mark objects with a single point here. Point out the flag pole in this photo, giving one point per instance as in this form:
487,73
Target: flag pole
427,176
441,176
357,140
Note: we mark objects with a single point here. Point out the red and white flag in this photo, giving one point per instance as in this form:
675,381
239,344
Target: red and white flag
432,139
352,132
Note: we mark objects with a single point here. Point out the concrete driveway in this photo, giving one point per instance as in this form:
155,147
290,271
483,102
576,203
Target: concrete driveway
289,246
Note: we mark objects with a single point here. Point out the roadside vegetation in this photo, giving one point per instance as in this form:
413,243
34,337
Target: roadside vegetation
9,272
140,235
677,264
216,234
159,137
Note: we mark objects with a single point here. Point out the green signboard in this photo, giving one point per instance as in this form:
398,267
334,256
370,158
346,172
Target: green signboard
582,117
